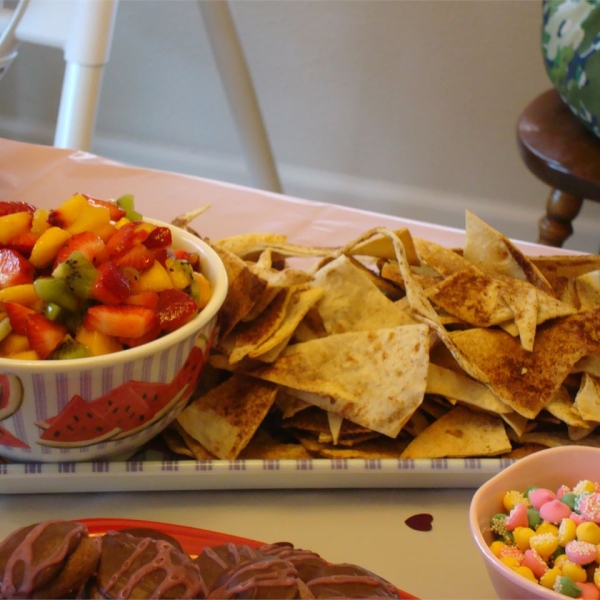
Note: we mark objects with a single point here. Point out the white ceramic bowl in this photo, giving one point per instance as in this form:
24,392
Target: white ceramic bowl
548,468
138,391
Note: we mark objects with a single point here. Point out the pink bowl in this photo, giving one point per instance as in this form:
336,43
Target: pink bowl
547,468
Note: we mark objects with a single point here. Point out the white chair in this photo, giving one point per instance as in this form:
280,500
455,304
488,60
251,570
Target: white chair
83,29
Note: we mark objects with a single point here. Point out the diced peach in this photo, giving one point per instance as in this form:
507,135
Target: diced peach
25,355
47,246
14,343
205,289
106,232
154,279
91,218
39,222
14,225
21,294
99,343
68,211
122,221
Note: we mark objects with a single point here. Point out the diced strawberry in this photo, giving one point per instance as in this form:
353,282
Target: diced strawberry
159,237
15,269
116,212
23,243
44,335
88,243
139,257
147,299
18,315
125,238
162,254
175,308
8,208
111,285
121,320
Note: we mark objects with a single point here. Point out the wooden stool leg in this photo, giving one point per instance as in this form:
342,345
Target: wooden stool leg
556,226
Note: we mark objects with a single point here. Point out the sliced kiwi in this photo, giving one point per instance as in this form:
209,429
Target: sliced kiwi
69,348
127,204
79,273
53,290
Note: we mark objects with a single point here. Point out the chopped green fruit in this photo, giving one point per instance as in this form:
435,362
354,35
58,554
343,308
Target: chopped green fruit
54,312
126,203
79,273
69,348
56,291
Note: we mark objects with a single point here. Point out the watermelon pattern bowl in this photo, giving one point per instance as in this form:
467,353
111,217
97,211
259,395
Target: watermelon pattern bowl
108,406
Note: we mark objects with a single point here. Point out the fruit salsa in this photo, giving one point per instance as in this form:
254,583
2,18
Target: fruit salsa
552,537
90,277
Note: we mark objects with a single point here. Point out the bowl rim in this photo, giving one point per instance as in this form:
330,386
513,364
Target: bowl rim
219,284
519,465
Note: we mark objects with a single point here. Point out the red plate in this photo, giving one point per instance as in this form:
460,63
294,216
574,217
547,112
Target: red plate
192,539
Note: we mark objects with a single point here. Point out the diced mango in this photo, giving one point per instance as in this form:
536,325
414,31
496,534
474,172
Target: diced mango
47,246
204,289
39,222
21,294
69,211
14,225
25,355
14,343
98,343
106,232
122,221
154,279
91,218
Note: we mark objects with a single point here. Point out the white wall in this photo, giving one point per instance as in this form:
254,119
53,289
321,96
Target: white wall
405,107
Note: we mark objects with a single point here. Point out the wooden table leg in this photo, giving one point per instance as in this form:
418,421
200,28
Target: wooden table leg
557,225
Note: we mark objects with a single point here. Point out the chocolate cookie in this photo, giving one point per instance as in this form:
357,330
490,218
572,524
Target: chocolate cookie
350,581
308,563
132,567
214,561
52,559
263,577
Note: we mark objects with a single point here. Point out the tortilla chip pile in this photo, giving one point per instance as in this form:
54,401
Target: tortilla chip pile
397,347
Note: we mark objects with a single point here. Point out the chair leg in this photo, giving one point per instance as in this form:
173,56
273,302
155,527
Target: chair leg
557,225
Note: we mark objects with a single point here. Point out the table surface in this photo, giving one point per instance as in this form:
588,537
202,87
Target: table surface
365,527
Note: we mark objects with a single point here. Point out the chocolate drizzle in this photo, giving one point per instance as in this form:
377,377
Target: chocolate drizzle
33,555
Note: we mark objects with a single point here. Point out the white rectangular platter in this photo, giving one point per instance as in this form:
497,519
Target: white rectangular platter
155,475
50,175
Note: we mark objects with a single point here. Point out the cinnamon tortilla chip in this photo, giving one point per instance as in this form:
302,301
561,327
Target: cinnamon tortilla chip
527,381
461,432
225,419
245,288
494,254
345,372
351,302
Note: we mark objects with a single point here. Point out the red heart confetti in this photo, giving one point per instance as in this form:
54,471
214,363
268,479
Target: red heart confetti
420,522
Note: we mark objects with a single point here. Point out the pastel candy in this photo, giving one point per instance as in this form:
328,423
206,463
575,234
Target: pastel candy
540,496
576,518
581,553
589,507
517,517
554,511
589,591
535,562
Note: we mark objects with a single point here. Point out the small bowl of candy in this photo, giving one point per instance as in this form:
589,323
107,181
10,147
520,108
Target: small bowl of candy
537,525
106,319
